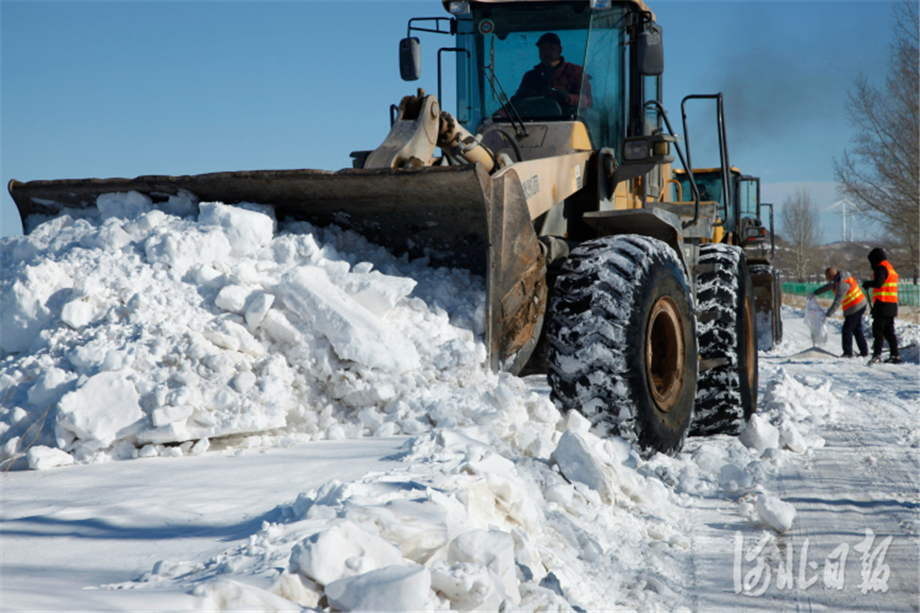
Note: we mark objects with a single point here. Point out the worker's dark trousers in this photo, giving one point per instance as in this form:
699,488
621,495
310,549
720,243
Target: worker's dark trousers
852,326
883,330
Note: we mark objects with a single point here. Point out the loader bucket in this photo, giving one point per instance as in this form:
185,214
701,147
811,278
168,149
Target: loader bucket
457,216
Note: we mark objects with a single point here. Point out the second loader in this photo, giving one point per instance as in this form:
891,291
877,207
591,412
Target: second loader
550,181
743,227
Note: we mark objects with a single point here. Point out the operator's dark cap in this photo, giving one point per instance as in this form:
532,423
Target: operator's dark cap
549,39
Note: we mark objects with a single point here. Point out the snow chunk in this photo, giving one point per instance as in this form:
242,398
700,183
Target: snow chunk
107,407
710,458
342,551
181,251
229,335
111,237
299,589
243,382
420,528
354,332
792,438
164,416
577,463
760,434
25,305
200,447
394,588
233,298
577,422
229,595
123,205
490,548
469,587
376,292
258,307
40,457
775,513
78,313
182,204
734,478
49,386
246,230
279,328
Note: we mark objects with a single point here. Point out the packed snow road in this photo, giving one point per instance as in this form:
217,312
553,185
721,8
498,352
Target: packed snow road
854,543
295,419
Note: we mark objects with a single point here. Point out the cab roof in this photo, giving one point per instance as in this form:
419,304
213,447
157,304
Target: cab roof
700,171
639,4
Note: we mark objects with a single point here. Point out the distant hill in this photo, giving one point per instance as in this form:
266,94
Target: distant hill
849,256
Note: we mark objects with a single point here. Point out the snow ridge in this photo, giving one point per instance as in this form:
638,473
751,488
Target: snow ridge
223,327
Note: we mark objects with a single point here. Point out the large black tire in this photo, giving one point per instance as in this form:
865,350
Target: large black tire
777,308
774,325
621,341
726,394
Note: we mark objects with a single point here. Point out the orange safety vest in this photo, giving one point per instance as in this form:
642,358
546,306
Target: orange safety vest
888,292
854,296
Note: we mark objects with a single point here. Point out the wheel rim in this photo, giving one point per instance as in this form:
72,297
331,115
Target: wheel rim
750,346
664,354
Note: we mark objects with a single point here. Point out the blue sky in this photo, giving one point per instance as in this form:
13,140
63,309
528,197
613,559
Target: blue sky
109,89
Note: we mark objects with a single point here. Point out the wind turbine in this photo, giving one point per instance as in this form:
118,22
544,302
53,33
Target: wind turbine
843,211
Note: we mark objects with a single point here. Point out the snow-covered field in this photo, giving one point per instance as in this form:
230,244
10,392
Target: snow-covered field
221,414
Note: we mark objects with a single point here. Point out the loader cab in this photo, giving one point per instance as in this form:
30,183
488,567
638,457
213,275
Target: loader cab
500,47
750,228
741,218
615,44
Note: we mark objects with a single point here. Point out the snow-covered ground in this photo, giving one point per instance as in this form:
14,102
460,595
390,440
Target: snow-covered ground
221,414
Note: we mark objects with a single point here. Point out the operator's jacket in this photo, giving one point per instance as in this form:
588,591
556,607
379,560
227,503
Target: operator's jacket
564,76
846,293
882,306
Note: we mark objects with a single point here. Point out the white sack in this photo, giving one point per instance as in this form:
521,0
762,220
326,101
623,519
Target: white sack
816,320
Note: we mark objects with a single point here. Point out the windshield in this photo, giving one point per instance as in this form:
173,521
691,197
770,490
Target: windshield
710,185
586,80
747,198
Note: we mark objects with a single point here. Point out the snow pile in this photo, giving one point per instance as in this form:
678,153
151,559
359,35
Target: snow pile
798,409
140,332
143,332
472,522
529,512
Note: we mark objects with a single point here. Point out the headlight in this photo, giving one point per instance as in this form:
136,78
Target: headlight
635,150
651,149
458,7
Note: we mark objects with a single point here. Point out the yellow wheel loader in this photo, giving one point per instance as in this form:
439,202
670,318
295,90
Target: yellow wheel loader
549,181
744,227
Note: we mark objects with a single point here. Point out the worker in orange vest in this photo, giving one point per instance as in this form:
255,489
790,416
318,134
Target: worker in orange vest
852,300
883,290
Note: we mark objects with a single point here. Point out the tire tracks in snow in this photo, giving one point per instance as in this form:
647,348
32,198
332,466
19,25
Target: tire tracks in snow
866,477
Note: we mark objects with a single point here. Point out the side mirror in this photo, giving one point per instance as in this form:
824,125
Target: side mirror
410,59
651,52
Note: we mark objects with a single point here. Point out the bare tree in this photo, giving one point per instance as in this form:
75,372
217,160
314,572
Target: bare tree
880,172
800,225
